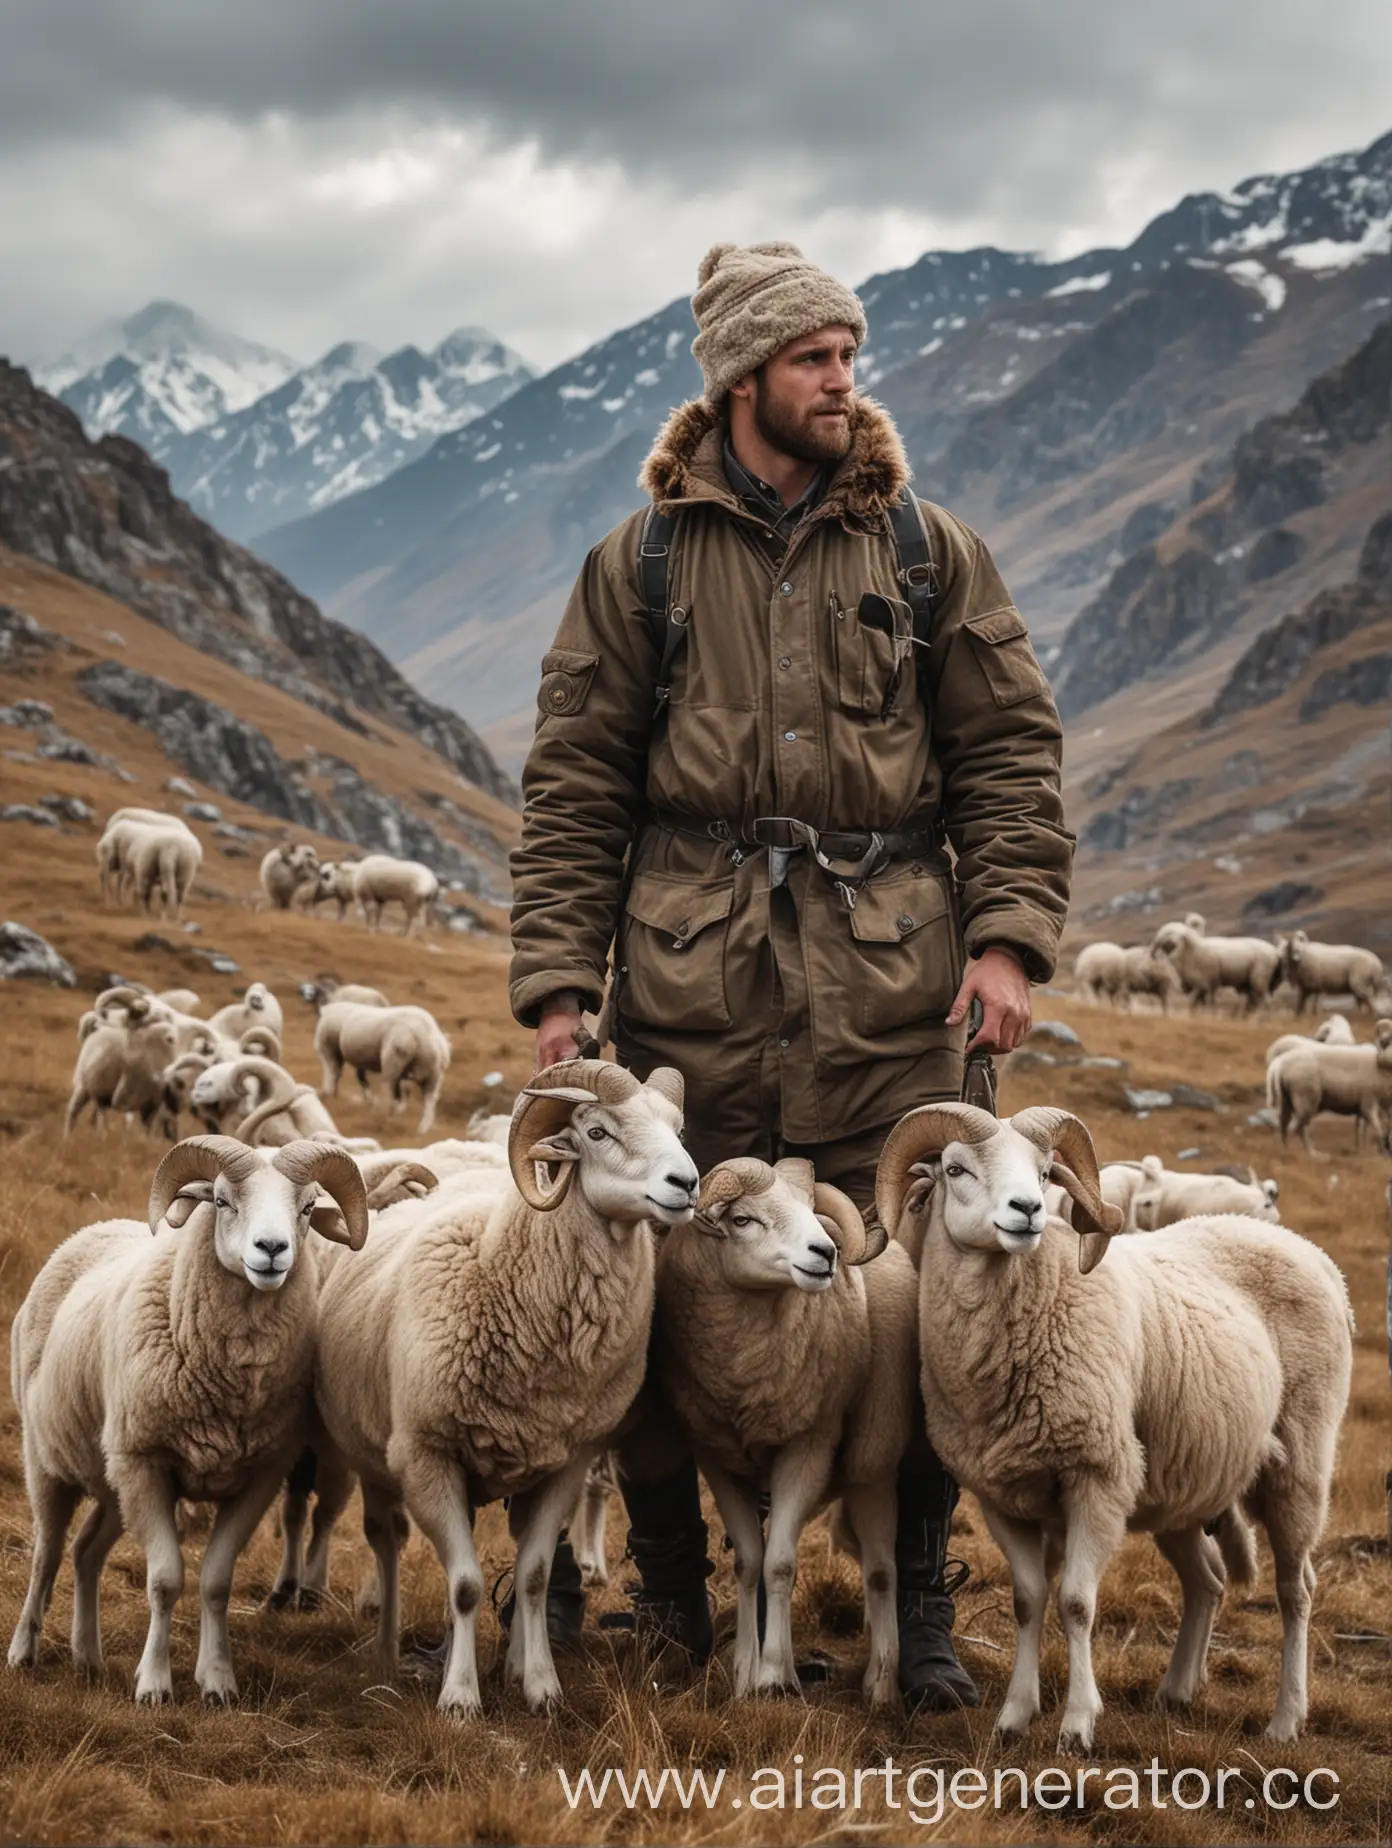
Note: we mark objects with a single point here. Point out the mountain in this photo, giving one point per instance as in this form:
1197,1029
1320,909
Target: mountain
104,513
250,438
1061,408
161,374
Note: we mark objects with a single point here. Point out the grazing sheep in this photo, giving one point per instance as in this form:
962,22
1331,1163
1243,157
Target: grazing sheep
258,1007
334,885
1164,1197
326,989
119,1005
405,1044
380,880
1145,973
1315,969
1333,1030
1351,1081
160,863
288,873
121,1066
1205,964
792,1371
494,1348
120,832
1099,969
146,1370
287,1112
1200,1369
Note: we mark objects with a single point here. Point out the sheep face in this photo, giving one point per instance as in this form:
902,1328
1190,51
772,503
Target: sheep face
769,1235
1171,939
992,1193
255,998
263,1207
631,1161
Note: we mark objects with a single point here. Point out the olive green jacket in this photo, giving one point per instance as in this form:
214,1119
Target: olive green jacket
778,709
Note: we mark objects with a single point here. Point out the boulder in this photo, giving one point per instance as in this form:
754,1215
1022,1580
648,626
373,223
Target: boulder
26,957
21,811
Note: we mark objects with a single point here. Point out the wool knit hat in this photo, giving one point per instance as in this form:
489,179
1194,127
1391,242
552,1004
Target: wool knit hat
752,299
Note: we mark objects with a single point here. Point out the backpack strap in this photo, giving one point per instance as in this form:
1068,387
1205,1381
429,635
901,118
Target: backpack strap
918,570
666,624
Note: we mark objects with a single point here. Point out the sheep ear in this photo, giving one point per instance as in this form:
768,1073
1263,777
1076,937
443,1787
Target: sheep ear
1094,1220
560,1147
329,1223
181,1208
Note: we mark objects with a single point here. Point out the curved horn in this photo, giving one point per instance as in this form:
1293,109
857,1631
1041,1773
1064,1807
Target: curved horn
668,1082
281,1091
123,995
857,1242
743,1174
543,1108
337,1173
261,1042
1077,1173
197,1158
922,1133
389,1180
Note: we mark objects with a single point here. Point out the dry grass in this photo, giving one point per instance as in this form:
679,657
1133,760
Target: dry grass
321,1751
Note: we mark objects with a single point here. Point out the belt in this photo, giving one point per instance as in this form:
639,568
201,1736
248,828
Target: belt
864,850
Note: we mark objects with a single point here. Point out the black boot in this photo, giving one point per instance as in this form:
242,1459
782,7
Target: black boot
930,1676
667,1543
565,1603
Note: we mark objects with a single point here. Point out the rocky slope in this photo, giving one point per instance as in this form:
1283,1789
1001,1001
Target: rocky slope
105,513
1291,484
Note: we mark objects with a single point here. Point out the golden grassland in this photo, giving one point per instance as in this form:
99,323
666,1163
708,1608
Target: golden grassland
321,1750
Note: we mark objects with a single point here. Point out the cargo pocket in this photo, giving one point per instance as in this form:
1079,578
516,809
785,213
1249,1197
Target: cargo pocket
1000,642
886,973
672,953
864,662
566,677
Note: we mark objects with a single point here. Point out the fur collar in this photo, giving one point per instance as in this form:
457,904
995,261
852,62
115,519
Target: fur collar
686,461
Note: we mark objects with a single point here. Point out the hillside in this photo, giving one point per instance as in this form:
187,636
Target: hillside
1267,805
1062,407
105,513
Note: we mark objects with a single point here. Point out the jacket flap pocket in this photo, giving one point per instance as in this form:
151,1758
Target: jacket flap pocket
1001,625
566,674
893,911
677,907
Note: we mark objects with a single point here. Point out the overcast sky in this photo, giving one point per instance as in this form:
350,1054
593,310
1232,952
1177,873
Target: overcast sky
306,171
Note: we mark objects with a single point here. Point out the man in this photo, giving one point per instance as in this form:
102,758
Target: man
764,847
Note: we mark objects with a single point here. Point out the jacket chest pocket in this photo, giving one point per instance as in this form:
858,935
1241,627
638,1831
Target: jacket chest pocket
866,680
885,974
1001,645
672,952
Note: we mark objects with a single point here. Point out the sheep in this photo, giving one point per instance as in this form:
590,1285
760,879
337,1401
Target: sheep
149,1369
120,831
1315,969
1200,1371
334,884
1099,969
405,1044
1205,964
485,1125
323,991
494,1350
381,880
792,1371
122,1067
287,1112
163,862
1120,1182
1145,973
1164,1197
1351,1081
289,872
181,1000
1333,1030
258,1007
126,1001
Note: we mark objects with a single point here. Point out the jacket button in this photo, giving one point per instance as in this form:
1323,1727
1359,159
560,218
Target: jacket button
684,928
785,589
904,924
785,660
790,737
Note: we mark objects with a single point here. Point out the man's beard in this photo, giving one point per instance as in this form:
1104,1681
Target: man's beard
809,437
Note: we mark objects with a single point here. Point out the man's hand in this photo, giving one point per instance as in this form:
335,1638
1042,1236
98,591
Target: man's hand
998,978
558,1036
